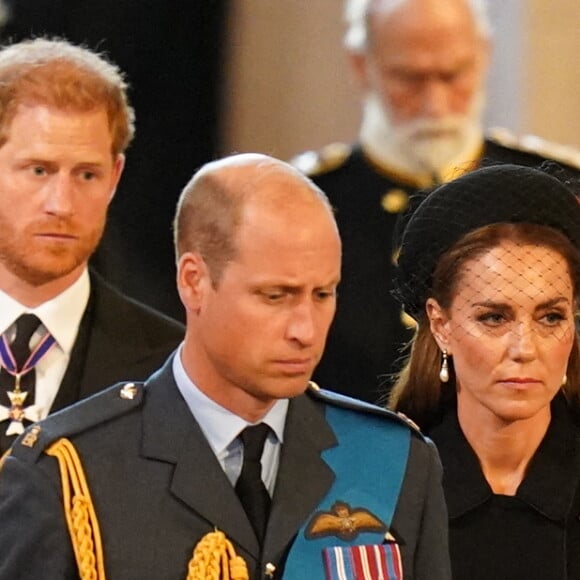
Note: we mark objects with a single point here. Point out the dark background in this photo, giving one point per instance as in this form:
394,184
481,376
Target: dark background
171,53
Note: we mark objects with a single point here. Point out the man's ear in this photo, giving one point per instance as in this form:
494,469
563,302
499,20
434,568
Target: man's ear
438,323
359,66
193,280
118,166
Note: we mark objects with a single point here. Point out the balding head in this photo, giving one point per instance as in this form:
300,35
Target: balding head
358,16
212,205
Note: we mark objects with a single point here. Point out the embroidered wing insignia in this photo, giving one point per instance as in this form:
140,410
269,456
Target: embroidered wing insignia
343,522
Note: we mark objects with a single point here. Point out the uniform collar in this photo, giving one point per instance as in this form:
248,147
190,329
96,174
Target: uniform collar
219,425
468,162
555,466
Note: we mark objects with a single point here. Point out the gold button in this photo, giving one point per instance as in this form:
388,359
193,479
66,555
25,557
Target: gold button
395,201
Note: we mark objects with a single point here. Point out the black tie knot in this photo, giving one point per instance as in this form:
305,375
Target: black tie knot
254,438
26,325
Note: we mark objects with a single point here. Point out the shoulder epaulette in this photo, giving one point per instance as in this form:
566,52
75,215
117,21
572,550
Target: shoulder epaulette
104,406
345,402
328,158
536,146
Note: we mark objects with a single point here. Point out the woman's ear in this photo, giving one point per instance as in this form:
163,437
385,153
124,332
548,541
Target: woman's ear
438,323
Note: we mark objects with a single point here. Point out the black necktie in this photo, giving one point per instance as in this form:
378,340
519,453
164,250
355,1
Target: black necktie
26,325
250,487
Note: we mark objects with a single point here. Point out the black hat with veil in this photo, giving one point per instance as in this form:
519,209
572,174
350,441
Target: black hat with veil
491,195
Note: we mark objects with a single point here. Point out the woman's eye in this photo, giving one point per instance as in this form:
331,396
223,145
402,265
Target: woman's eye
553,318
491,318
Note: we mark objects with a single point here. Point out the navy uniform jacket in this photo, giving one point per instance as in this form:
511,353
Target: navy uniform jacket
157,488
365,342
118,339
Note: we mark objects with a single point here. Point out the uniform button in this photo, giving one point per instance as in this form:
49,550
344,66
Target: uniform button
395,201
128,391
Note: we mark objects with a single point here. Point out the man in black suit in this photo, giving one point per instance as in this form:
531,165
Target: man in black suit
228,442
65,123
422,66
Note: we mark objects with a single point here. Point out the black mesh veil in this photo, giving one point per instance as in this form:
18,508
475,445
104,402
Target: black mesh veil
491,195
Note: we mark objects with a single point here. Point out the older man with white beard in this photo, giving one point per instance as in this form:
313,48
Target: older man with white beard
421,65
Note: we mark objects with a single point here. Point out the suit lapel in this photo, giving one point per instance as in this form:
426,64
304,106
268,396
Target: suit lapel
303,476
100,344
171,434
70,386
108,342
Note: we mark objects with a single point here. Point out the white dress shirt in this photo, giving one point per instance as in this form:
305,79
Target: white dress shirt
60,316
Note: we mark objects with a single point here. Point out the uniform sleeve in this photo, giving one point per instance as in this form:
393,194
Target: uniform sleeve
34,540
432,553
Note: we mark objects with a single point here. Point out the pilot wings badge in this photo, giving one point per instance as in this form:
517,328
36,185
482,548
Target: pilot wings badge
343,522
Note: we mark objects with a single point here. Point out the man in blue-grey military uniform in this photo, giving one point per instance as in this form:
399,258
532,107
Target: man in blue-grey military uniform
227,449
422,66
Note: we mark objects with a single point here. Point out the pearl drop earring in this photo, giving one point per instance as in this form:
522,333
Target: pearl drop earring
444,372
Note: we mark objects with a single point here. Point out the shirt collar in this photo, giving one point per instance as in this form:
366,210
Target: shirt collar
61,315
549,485
219,425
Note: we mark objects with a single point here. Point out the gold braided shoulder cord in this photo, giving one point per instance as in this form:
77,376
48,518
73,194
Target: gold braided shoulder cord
214,558
80,514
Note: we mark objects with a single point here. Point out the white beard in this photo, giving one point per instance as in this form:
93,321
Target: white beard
422,146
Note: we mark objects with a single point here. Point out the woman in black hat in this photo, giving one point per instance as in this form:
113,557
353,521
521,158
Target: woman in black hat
490,269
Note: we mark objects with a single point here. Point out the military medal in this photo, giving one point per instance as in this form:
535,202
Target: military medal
17,412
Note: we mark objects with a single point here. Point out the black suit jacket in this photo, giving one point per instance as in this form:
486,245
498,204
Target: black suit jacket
158,488
118,339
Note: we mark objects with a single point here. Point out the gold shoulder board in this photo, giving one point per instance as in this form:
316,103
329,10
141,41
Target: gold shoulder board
328,158
566,154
